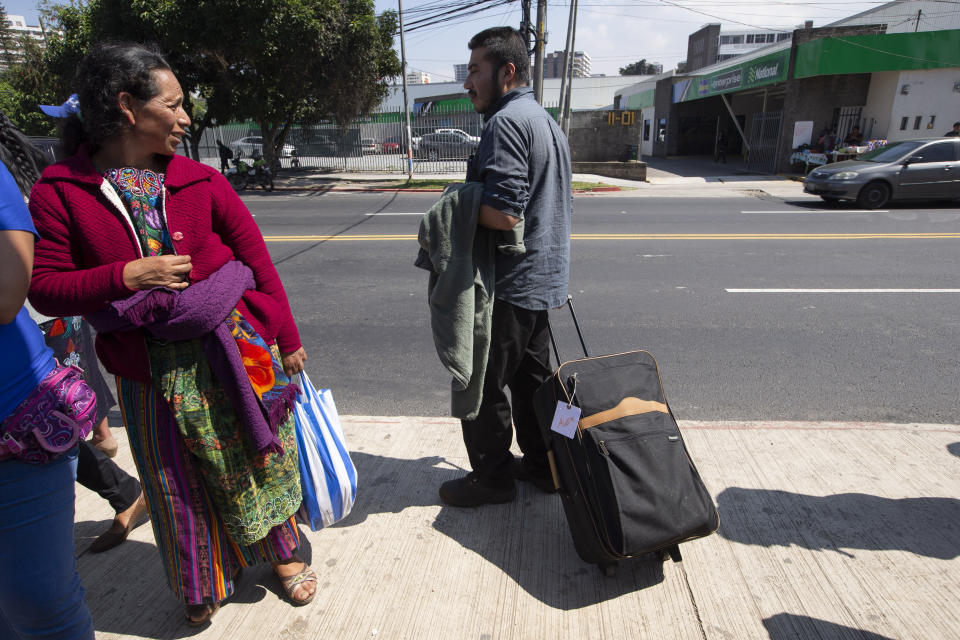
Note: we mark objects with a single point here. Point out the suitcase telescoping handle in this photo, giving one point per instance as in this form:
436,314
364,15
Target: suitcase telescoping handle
576,323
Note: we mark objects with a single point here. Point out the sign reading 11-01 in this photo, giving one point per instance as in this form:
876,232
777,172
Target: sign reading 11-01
623,118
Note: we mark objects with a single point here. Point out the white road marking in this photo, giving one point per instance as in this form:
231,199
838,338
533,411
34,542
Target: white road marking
418,213
842,290
822,211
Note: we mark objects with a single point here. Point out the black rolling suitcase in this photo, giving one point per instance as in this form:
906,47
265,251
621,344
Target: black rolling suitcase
626,480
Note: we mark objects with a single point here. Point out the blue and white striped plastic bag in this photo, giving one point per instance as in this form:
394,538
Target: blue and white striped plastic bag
327,475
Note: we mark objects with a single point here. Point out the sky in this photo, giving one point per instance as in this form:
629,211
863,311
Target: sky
613,33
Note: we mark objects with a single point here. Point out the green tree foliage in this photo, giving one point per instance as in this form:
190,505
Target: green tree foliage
270,61
640,68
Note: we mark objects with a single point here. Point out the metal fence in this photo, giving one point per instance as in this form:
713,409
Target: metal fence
443,139
442,142
764,142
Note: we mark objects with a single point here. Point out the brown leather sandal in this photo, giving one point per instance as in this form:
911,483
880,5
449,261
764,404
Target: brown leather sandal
198,615
291,583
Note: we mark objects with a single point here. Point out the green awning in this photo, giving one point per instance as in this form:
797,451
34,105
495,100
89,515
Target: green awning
883,52
756,72
640,100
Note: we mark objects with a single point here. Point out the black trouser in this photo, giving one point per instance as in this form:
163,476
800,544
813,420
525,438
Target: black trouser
519,359
97,472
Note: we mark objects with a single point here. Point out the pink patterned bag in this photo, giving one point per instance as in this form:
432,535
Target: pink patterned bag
58,413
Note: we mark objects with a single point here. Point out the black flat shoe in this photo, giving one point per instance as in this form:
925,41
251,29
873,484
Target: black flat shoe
472,491
112,538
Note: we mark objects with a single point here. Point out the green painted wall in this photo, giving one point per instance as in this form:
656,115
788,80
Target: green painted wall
885,52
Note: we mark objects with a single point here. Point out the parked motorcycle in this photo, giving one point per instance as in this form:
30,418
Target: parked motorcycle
243,175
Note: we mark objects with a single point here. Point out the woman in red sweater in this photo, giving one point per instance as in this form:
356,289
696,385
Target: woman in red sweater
124,215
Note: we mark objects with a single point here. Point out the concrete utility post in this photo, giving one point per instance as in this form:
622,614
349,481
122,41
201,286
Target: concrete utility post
541,43
563,117
525,27
406,102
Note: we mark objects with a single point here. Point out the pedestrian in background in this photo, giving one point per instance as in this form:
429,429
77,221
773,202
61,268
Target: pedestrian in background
953,132
854,138
226,154
212,435
523,162
40,591
721,153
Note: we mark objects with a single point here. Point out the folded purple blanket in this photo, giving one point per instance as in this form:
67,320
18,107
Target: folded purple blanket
200,311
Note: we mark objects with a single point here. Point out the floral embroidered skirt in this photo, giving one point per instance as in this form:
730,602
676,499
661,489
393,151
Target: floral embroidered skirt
215,505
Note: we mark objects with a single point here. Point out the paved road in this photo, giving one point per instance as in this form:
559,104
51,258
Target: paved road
655,273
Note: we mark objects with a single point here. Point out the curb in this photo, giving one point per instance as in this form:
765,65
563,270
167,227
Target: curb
355,189
389,190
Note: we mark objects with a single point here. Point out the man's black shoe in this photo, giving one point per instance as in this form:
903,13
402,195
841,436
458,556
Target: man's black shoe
542,480
472,491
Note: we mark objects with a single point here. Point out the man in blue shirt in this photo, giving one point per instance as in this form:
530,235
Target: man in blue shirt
523,161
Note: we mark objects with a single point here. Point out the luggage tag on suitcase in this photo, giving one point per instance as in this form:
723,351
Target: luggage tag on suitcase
565,419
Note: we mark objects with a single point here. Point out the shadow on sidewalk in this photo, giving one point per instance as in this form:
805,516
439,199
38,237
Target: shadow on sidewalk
527,539
695,167
127,592
954,448
787,626
924,526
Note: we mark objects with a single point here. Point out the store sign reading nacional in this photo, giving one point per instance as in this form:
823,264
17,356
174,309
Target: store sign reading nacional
746,75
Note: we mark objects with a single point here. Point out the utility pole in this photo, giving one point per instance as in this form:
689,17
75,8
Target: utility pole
567,78
917,25
525,27
406,102
540,44
573,51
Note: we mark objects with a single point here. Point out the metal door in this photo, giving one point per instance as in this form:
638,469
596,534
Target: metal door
764,142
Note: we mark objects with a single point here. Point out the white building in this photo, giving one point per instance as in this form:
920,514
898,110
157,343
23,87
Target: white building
905,16
418,77
585,93
737,43
19,28
18,24
915,103
459,72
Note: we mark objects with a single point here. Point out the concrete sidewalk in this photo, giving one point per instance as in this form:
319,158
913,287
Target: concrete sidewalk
828,530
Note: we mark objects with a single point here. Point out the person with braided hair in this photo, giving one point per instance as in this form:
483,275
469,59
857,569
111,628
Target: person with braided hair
40,591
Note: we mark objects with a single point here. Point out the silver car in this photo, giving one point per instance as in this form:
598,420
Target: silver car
927,169
254,144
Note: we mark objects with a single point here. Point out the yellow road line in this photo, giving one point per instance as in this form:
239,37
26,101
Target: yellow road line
650,236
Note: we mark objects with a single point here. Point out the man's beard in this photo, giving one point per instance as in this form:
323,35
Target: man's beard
496,91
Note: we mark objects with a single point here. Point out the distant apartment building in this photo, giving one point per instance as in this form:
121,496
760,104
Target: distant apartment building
709,45
555,62
418,77
18,28
459,72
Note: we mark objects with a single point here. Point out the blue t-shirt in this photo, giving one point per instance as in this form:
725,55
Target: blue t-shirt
26,358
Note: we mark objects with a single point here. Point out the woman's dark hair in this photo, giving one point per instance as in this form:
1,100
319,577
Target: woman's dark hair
24,160
107,70
504,44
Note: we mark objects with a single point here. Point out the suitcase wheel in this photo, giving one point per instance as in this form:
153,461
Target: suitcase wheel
609,570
